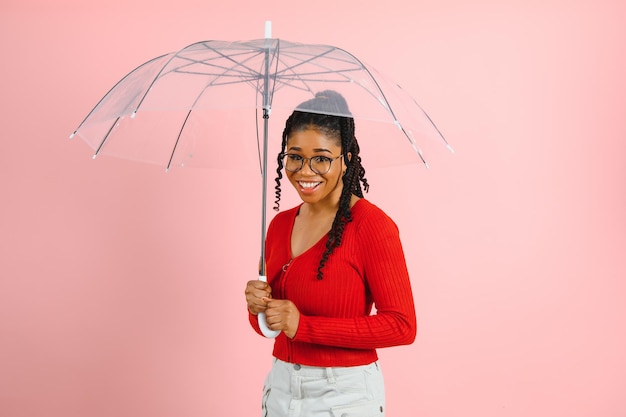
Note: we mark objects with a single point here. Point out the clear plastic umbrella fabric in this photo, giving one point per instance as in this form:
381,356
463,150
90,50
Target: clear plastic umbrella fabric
221,104
210,105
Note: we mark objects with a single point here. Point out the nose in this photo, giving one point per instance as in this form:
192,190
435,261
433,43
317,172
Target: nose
306,168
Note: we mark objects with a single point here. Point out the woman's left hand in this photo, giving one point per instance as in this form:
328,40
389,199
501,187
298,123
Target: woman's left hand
282,315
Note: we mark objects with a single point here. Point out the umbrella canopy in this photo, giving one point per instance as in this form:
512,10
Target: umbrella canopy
208,87
210,105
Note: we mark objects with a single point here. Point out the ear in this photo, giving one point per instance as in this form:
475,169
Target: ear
343,163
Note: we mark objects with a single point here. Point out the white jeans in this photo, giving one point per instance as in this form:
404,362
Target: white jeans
293,390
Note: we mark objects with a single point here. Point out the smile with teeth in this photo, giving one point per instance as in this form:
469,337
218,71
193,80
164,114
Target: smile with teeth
307,185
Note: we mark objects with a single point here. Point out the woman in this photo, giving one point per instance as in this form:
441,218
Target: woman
328,261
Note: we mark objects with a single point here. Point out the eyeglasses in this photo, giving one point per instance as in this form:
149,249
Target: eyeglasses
319,164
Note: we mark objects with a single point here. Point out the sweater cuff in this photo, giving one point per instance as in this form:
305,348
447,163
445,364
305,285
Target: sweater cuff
303,330
254,322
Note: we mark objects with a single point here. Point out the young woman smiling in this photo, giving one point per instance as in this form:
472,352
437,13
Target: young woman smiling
329,261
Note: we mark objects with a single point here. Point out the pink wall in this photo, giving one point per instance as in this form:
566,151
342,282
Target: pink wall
121,290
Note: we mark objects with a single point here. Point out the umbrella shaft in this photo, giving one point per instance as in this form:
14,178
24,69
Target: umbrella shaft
266,117
264,188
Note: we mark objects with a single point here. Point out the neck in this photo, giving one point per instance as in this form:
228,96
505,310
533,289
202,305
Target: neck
322,208
326,208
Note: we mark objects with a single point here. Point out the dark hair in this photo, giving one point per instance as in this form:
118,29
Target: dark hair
328,113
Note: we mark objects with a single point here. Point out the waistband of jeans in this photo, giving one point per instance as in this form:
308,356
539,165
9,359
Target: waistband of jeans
324,372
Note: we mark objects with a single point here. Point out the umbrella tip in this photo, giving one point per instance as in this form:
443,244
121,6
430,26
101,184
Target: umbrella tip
450,148
72,135
268,29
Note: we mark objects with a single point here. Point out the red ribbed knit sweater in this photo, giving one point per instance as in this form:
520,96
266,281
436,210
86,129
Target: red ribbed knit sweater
336,326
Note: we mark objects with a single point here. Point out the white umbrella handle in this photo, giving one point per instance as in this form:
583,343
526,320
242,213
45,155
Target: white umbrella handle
267,332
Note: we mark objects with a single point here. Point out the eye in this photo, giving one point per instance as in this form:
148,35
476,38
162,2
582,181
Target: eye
321,159
294,157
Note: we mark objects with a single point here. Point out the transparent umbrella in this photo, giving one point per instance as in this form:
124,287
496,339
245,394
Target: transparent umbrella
210,105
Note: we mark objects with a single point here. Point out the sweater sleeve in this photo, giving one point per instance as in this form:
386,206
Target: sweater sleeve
380,252
254,322
277,222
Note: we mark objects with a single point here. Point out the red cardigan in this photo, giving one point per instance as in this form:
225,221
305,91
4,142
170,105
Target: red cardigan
336,325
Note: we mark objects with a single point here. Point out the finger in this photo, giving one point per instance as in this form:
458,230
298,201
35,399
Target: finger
272,312
273,322
256,284
257,297
274,317
258,303
260,292
256,306
261,300
272,302
283,305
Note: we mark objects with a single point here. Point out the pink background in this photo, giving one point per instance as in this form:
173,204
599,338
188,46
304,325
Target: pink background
121,291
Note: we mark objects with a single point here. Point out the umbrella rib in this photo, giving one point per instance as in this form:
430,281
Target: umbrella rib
206,62
180,132
281,77
237,64
313,57
248,76
304,81
290,69
184,124
156,78
161,71
346,78
106,137
396,121
303,78
109,92
300,63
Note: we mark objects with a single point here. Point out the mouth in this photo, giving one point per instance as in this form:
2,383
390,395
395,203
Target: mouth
308,186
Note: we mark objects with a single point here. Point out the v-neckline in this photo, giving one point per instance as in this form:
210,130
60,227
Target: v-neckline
290,246
319,241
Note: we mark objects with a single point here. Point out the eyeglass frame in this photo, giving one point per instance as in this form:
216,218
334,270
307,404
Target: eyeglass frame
331,160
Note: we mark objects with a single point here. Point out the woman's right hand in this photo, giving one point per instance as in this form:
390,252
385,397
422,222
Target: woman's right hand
256,290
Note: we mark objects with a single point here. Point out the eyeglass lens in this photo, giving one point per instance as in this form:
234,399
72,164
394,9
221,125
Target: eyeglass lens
319,165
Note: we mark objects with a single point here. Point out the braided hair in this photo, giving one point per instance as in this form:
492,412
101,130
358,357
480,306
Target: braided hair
328,113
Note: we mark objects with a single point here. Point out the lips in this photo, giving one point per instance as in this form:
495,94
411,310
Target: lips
308,186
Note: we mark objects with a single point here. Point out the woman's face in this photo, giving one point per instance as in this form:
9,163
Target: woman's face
312,187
